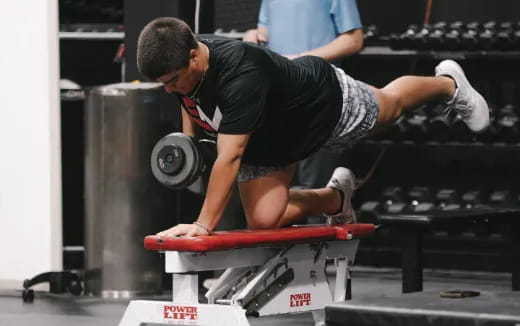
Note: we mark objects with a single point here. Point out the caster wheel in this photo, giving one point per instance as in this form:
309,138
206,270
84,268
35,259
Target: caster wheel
28,295
75,287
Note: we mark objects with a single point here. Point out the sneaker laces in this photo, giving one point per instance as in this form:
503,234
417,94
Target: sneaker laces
461,106
335,183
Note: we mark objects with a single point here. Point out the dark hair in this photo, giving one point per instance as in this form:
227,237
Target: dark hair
164,46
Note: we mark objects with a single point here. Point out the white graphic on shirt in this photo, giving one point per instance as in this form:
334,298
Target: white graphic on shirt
215,121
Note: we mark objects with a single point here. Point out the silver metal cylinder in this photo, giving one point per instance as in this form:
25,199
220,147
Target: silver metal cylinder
123,201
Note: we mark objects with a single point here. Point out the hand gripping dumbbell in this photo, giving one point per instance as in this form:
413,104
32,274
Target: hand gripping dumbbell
179,161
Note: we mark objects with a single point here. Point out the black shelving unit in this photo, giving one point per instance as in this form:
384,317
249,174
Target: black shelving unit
459,164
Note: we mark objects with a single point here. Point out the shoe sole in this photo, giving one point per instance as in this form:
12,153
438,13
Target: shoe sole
481,102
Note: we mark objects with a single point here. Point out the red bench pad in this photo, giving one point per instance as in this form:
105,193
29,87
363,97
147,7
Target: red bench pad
222,240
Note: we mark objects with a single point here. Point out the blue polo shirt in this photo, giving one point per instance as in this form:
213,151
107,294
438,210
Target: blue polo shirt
296,26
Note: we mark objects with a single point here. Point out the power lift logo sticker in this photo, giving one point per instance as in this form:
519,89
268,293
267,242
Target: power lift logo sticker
180,315
300,299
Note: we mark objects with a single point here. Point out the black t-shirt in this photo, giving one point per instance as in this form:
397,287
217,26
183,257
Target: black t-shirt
291,106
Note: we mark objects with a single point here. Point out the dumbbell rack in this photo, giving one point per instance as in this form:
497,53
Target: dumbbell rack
428,150
412,227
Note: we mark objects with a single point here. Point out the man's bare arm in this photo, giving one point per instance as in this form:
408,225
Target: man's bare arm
188,126
230,149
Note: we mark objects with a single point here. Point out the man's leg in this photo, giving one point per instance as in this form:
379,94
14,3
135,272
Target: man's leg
268,202
314,172
450,86
409,92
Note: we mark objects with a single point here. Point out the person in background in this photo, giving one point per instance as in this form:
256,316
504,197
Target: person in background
330,29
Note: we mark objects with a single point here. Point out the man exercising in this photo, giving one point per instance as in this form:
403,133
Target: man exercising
269,112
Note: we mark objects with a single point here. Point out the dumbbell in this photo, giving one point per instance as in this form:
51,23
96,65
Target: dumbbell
453,37
397,132
469,39
394,41
368,211
393,200
436,37
417,125
500,198
420,41
420,199
179,161
488,135
505,36
406,39
472,198
487,38
447,199
508,125
461,132
370,34
516,37
440,124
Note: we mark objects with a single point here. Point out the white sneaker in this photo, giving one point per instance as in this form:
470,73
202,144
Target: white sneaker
343,180
467,102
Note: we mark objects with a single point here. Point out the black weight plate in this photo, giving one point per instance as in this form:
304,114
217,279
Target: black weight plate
170,159
188,172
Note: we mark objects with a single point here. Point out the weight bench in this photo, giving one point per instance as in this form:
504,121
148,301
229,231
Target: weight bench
267,272
412,226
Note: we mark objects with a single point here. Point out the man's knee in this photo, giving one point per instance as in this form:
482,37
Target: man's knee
263,222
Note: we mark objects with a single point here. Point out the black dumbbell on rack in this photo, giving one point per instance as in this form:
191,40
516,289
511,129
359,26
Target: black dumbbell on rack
507,125
420,199
416,125
370,35
454,36
461,132
420,41
505,36
393,201
440,124
516,37
469,39
501,198
368,211
472,199
487,39
404,40
447,199
436,37
390,201
397,132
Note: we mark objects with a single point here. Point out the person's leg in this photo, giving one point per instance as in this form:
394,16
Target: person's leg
314,172
449,85
268,202
409,92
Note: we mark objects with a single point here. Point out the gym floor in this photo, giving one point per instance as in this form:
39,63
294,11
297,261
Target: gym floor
58,310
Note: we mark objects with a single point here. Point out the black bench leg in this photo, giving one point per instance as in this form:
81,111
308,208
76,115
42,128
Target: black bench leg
412,260
515,255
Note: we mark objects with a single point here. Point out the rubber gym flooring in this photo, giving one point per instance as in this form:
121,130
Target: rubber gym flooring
57,310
